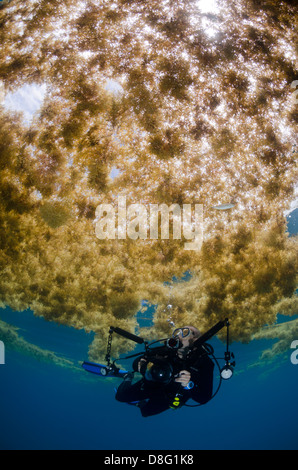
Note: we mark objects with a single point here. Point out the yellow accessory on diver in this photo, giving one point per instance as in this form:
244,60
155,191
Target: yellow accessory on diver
176,403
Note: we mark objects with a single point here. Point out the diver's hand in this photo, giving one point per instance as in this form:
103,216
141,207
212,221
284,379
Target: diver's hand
183,378
141,362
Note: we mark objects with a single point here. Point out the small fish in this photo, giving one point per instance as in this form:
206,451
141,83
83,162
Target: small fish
223,207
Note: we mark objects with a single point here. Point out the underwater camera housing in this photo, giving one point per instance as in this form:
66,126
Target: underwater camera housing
159,371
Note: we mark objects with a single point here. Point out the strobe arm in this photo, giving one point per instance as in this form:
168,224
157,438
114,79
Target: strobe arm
127,335
212,332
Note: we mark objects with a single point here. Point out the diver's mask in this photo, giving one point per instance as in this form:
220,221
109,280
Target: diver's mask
174,342
183,332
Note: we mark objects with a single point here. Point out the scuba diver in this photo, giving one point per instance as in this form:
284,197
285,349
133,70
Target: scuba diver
181,369
178,371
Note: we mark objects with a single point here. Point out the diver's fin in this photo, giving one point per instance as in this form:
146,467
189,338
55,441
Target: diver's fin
102,370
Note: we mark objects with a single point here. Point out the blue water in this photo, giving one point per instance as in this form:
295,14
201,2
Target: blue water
46,406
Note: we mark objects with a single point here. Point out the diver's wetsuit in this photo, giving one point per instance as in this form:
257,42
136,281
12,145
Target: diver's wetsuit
154,397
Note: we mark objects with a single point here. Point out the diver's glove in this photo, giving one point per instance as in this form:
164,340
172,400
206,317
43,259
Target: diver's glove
128,377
